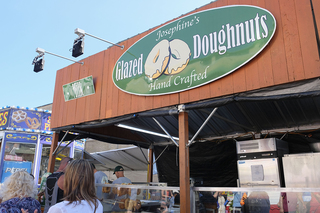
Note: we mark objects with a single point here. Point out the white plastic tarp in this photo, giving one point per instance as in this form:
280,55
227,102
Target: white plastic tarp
131,159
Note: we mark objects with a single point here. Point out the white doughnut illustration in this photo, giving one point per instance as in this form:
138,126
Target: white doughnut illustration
157,60
179,57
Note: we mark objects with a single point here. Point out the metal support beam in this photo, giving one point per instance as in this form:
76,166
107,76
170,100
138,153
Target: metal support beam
173,140
143,154
150,166
161,154
64,147
114,161
54,152
204,123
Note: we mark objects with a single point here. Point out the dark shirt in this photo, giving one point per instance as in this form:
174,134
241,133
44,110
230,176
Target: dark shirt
14,205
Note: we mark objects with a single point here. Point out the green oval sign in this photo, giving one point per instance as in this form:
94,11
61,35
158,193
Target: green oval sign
194,50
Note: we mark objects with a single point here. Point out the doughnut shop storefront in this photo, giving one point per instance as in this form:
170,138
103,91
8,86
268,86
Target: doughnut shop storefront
26,137
226,72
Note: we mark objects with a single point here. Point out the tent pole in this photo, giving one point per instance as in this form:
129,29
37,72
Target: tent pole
52,158
150,165
184,168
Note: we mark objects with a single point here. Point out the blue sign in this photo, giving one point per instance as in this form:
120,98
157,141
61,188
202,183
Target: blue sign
46,121
45,139
9,167
4,117
21,137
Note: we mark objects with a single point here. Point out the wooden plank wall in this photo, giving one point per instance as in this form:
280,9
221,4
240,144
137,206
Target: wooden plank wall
292,55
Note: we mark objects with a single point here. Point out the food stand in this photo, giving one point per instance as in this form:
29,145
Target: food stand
230,70
26,141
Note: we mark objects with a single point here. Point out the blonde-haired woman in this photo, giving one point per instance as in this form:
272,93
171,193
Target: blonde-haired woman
18,192
79,190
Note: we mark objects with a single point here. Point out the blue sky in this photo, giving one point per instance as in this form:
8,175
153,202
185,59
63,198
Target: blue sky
26,25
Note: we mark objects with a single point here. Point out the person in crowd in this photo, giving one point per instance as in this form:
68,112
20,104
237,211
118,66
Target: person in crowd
79,190
99,177
42,187
221,202
176,196
119,172
236,203
54,185
18,192
174,199
121,179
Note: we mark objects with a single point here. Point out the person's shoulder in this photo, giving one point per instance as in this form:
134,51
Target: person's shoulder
60,204
10,202
100,207
127,179
31,204
58,207
30,199
115,181
55,174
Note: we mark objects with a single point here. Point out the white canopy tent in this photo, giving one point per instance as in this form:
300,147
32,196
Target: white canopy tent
134,160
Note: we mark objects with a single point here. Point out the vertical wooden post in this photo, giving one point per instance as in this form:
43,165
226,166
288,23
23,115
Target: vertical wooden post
184,166
150,166
52,159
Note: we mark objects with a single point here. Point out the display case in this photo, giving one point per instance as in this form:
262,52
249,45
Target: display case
148,197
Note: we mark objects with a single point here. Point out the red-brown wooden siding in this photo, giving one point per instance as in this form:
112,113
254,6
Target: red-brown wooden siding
292,55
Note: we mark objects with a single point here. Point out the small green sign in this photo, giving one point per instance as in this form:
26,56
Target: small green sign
78,89
194,50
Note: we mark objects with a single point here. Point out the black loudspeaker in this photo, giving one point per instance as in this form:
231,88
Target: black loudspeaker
77,49
38,66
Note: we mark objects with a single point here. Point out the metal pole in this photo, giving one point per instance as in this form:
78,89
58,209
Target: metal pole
104,40
160,154
166,132
143,154
204,123
64,148
54,152
64,58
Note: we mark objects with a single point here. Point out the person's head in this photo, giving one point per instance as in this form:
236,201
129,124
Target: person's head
79,182
64,162
19,184
118,171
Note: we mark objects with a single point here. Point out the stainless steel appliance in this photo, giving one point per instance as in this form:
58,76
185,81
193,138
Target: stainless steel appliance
302,170
259,162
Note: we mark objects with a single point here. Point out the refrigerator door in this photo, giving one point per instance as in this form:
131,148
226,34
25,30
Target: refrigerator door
302,170
259,173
